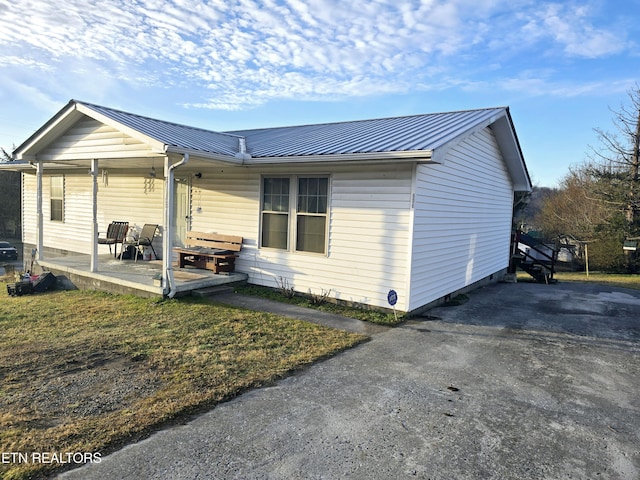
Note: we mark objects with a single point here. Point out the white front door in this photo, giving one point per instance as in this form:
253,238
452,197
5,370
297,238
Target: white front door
182,210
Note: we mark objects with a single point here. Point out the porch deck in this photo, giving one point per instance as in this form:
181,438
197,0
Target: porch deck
127,276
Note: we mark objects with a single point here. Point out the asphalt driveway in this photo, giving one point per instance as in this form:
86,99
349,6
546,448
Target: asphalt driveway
523,381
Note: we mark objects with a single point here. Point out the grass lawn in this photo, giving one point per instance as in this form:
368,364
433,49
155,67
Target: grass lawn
87,372
367,315
617,280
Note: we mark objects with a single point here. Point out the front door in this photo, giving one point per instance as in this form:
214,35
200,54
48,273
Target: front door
181,210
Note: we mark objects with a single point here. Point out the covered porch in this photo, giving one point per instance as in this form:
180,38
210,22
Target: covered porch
90,166
143,278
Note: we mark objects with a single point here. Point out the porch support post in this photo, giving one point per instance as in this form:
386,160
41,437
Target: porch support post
39,219
94,218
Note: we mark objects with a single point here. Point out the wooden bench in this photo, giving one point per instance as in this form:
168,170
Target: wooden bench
210,251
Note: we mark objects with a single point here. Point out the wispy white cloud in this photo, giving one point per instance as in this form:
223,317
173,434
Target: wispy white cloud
240,53
571,26
541,85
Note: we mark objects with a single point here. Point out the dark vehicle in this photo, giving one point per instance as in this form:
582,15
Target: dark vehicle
8,251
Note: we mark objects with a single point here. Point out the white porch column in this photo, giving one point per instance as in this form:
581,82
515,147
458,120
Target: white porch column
39,218
94,225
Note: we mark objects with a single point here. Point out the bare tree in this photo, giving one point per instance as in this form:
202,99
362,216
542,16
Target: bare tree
617,163
5,157
573,209
10,199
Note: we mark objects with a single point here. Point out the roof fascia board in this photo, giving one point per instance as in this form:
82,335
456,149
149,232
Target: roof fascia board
86,156
156,145
66,117
30,167
441,151
507,139
205,155
504,131
16,166
377,157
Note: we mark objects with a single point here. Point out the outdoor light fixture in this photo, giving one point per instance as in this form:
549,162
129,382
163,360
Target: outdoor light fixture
152,173
198,175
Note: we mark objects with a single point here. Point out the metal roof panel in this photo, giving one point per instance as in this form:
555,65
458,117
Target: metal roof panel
382,135
416,132
172,134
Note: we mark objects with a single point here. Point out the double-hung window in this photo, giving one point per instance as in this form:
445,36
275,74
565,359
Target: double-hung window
56,197
294,213
275,212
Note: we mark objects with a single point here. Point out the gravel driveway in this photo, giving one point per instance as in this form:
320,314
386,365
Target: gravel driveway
524,381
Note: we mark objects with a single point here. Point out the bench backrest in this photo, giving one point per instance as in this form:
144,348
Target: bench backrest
214,240
117,230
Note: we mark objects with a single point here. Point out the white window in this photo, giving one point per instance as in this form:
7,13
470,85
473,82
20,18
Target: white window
301,224
56,196
275,213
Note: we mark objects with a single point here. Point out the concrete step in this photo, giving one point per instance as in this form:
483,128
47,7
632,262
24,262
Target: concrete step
212,291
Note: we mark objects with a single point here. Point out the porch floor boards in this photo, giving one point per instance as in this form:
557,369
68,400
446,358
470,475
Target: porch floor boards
136,276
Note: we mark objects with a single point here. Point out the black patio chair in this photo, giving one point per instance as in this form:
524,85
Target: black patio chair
116,233
145,239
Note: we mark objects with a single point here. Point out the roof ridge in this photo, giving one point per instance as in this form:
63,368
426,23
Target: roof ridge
362,120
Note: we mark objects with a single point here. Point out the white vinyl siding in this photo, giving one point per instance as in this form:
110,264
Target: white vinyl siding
89,138
133,199
74,233
227,201
463,215
368,230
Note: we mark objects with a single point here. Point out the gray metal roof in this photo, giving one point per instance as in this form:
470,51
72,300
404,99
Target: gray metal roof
173,134
408,138
396,134
411,133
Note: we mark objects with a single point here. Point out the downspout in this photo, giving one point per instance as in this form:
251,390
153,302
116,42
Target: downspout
167,239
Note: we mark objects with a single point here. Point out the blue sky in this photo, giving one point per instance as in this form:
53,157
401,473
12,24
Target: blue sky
230,64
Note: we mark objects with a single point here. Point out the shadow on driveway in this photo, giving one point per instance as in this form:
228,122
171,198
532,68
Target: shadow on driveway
595,312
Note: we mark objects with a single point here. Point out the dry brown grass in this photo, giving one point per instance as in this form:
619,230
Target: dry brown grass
87,371
614,279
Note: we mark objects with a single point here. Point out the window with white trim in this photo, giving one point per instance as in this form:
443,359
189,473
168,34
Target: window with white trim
275,212
299,225
56,198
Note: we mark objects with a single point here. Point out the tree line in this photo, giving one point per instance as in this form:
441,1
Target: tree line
10,201
598,201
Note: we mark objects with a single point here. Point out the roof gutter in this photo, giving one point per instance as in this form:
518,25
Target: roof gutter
234,159
370,157
167,264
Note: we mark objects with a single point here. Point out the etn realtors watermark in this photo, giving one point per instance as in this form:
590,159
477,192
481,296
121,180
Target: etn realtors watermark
50,458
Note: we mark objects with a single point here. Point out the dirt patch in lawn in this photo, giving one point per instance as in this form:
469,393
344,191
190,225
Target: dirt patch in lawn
85,385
